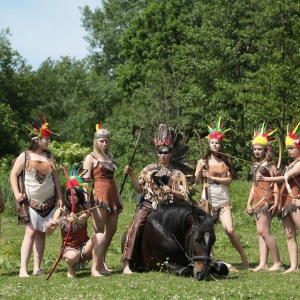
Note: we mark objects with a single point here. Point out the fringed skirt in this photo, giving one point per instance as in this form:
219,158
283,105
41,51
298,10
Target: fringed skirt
218,198
39,222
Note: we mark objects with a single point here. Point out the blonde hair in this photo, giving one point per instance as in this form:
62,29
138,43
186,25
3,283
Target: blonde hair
102,134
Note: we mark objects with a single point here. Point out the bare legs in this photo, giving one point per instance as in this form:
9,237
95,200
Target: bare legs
290,223
226,220
104,223
32,239
266,243
94,248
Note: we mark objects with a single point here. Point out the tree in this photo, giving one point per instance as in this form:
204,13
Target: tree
15,95
74,98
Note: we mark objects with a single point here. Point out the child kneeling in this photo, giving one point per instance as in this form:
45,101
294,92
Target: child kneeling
79,247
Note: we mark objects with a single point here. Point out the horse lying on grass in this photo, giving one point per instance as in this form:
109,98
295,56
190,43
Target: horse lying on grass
178,238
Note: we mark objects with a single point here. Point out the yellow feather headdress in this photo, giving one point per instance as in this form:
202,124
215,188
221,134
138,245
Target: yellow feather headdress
262,135
293,136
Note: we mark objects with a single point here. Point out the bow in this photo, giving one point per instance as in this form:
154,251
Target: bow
287,185
279,152
70,225
205,184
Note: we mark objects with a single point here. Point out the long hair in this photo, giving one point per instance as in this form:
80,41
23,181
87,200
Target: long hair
80,196
221,154
33,146
107,155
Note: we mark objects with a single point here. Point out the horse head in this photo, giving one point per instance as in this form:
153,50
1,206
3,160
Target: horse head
199,242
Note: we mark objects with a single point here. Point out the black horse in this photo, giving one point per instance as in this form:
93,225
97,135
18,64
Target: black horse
179,238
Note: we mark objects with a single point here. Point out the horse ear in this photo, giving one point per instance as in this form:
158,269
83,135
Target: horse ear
199,211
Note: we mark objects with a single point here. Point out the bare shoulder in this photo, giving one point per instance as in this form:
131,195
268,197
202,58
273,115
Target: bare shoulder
88,164
19,161
296,166
89,158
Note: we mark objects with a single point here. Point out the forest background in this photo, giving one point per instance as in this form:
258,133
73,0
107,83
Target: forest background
184,63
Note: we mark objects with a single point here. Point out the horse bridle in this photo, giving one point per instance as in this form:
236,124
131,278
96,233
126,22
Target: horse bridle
191,257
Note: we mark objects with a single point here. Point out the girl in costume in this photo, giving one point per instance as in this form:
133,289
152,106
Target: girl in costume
101,167
217,170
157,182
42,191
79,247
289,203
262,202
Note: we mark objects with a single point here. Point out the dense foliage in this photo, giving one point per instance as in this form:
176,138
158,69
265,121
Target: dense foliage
180,62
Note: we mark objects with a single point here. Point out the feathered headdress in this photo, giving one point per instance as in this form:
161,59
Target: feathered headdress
262,135
217,131
177,144
163,137
40,127
101,132
293,136
75,178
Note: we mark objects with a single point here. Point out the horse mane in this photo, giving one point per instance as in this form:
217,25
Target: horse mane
173,218
204,222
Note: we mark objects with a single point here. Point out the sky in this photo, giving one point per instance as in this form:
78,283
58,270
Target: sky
45,28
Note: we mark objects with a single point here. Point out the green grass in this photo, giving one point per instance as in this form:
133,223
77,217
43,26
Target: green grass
153,285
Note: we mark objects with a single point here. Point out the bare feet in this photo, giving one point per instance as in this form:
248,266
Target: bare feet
95,273
127,270
23,274
104,271
38,273
232,269
259,268
71,272
290,270
245,265
276,267
106,267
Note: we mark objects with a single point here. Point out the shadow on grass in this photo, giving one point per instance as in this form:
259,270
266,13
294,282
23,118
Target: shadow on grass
10,273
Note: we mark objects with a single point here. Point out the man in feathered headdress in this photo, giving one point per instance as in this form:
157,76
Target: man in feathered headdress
157,182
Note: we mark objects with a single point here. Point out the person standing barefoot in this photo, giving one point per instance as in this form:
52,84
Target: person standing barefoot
218,171
100,167
262,201
289,194
42,190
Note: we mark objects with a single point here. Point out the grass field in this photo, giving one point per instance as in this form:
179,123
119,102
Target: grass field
241,285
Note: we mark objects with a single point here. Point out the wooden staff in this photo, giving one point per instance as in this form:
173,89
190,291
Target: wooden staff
134,128
205,183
